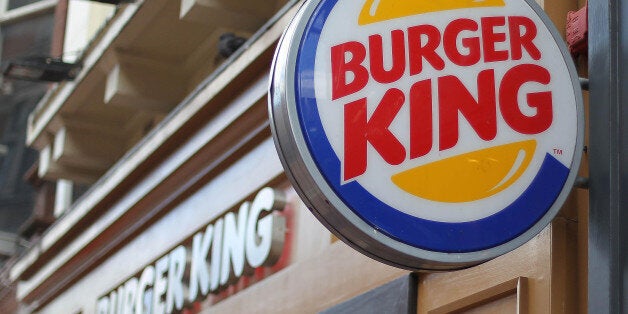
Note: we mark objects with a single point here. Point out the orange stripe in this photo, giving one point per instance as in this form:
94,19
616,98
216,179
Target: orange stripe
381,10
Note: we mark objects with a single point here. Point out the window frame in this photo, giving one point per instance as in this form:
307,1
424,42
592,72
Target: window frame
10,16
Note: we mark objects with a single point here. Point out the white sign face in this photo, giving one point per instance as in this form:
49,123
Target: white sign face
228,249
433,134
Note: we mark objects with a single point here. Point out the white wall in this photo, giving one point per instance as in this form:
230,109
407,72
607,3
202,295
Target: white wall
84,20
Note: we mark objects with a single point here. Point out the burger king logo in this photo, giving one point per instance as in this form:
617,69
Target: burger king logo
427,134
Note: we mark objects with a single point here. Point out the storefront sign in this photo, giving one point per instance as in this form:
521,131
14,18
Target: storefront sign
428,134
228,249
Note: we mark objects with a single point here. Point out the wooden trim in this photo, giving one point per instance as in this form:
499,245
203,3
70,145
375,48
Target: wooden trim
58,32
543,272
522,296
532,261
564,266
516,285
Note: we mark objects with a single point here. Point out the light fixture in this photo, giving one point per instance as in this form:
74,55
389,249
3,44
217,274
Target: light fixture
41,69
229,43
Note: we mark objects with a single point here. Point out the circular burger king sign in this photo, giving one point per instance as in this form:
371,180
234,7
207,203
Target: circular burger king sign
427,134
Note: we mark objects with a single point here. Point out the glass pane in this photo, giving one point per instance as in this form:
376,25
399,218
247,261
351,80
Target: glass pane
27,38
22,38
13,4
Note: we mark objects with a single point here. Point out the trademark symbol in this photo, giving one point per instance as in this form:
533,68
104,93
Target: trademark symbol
558,151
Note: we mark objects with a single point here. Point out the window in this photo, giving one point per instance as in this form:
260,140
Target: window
14,4
25,30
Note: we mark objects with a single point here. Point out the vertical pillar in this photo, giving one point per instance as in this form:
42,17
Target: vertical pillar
608,211
58,32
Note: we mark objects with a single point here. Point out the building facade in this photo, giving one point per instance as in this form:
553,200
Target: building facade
189,209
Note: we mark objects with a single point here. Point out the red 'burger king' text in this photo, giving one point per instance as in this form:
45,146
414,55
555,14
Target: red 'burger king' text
414,49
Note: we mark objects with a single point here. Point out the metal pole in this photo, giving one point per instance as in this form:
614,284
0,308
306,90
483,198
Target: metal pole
608,157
